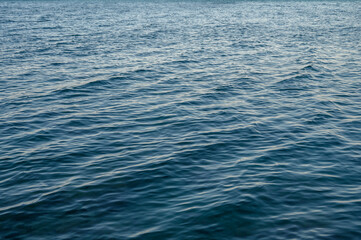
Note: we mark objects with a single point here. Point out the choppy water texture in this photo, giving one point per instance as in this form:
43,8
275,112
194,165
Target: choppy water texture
180,120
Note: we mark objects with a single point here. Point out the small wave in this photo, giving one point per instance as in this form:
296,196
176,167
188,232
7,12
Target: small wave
89,86
311,68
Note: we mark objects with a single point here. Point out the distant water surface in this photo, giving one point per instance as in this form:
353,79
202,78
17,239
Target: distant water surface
180,120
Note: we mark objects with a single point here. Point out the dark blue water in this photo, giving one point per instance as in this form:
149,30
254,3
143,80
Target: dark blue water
180,120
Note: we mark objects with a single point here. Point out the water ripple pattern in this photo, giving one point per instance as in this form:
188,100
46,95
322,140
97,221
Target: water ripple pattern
180,120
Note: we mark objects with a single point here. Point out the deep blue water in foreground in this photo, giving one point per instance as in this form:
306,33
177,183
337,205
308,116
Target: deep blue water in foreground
180,120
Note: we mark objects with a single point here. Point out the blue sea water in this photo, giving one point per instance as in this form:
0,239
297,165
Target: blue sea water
180,120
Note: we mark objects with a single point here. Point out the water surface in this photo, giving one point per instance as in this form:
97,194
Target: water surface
180,120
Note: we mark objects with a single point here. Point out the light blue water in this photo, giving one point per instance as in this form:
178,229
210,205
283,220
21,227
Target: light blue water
180,120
